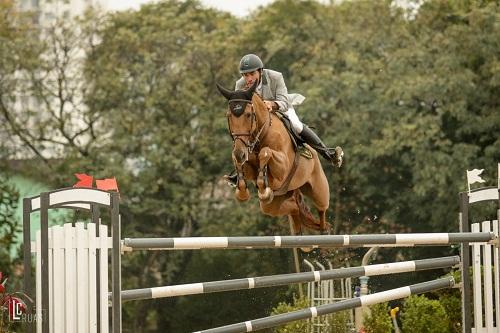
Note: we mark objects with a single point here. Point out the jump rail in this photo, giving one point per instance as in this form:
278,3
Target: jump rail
389,295
384,240
285,279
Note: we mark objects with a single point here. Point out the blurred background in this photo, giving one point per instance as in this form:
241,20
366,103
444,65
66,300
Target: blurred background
409,89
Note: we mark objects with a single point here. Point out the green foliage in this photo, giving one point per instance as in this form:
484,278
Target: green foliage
9,227
339,322
421,314
378,320
452,303
9,262
296,326
413,100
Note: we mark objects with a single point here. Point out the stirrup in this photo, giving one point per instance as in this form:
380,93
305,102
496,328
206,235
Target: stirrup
231,179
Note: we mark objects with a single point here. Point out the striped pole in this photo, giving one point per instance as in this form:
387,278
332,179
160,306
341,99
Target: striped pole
285,279
384,240
277,320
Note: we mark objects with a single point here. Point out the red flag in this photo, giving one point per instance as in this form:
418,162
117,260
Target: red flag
84,180
108,184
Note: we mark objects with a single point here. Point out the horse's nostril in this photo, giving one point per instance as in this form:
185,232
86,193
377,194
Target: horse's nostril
240,156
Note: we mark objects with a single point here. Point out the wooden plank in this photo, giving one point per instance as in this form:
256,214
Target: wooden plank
39,281
82,280
488,281
104,245
70,277
476,278
57,305
50,267
497,277
92,292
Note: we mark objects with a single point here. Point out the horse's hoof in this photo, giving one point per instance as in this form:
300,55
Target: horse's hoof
326,229
242,195
260,181
267,196
306,249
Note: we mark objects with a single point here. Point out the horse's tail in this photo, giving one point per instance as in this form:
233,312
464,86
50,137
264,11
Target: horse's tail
305,213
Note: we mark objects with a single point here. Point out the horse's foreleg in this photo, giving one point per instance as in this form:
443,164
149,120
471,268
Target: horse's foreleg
275,160
265,192
242,193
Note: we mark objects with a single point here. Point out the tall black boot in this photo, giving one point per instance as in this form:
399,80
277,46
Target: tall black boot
334,155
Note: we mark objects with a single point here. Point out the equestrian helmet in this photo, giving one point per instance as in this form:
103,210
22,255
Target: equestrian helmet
250,63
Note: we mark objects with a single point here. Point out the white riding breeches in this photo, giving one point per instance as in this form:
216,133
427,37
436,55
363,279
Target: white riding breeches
294,119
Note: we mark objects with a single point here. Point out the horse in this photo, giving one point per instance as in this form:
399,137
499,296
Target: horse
264,153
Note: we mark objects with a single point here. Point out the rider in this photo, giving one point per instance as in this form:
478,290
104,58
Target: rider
271,86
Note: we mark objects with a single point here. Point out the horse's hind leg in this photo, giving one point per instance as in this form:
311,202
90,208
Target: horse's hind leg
280,206
321,203
285,205
323,224
305,214
295,224
319,192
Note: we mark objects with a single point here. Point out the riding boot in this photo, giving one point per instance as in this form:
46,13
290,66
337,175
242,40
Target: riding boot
334,155
232,178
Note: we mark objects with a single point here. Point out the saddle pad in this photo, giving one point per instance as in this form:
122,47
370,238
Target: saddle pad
305,152
296,139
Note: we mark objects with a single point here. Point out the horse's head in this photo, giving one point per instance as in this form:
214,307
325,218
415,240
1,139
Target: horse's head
242,121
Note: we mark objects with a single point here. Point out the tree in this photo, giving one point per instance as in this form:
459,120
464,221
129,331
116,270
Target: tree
152,78
9,228
411,98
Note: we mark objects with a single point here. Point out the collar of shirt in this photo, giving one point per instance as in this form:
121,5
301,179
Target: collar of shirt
259,88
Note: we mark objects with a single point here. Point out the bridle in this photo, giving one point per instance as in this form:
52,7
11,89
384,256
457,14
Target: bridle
254,135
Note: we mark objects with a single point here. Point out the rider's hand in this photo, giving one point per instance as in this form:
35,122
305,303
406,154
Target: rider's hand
271,105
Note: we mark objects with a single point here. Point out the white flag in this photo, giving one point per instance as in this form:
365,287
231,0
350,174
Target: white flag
473,176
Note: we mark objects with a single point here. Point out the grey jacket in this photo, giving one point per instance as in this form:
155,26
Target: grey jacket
273,88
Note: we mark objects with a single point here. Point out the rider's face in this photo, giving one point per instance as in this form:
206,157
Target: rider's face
251,77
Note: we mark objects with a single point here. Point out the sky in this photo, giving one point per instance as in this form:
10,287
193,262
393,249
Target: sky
236,7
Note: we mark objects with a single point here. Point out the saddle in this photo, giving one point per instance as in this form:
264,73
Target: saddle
298,143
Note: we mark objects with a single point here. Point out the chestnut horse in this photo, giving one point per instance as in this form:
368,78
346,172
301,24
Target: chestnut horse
264,153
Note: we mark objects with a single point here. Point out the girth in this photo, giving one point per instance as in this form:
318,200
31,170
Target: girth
296,141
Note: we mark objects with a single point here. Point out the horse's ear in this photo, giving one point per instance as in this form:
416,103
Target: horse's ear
226,93
250,91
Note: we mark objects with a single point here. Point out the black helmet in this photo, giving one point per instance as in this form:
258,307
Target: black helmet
250,63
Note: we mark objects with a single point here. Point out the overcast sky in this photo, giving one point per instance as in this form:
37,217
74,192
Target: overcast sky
236,7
